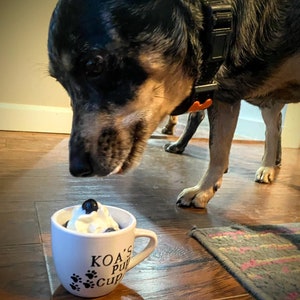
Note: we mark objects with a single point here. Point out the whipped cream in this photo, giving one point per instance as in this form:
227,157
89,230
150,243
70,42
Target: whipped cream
97,220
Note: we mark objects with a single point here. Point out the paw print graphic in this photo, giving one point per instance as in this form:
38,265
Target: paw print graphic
89,284
91,274
76,278
75,287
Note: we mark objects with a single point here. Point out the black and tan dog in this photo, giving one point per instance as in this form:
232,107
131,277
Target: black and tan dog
127,64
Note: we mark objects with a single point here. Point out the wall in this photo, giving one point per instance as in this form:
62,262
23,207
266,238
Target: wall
291,129
251,126
32,101
29,100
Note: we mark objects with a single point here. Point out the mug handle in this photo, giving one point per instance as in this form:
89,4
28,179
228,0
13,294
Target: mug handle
147,250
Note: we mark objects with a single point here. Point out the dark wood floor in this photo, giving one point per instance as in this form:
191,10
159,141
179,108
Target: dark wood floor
34,182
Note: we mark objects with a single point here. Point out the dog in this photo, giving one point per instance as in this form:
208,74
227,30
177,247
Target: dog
127,64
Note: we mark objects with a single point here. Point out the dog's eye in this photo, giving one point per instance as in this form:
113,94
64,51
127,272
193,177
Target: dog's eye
94,66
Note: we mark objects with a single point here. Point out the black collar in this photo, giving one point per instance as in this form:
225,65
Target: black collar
204,87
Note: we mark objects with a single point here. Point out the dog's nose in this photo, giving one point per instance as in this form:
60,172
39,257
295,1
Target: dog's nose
80,165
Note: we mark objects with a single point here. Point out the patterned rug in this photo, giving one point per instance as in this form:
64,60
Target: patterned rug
264,259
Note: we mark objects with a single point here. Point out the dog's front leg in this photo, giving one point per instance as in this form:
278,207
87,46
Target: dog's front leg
272,155
194,119
223,119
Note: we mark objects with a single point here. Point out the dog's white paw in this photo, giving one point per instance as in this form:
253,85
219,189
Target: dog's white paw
265,174
194,197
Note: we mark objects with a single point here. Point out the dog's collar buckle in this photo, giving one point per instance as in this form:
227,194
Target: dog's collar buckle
201,99
197,106
206,92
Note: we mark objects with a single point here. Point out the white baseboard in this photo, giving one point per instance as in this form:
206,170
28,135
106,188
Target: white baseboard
35,118
290,132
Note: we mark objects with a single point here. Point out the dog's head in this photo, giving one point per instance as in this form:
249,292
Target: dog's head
126,65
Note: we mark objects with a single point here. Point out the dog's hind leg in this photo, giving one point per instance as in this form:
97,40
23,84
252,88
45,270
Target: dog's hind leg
272,155
222,119
194,119
169,127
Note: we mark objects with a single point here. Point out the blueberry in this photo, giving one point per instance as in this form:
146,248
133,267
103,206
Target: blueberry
110,229
89,206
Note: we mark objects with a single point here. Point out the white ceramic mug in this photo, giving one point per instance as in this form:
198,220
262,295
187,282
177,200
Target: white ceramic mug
92,265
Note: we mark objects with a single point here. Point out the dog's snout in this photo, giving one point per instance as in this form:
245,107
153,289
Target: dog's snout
80,165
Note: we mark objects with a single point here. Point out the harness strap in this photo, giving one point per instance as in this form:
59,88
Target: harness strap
203,90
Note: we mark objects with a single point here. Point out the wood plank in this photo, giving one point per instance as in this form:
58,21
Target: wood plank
23,273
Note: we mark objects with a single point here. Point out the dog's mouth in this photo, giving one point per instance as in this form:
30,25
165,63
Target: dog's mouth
113,152
118,170
128,163
133,157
